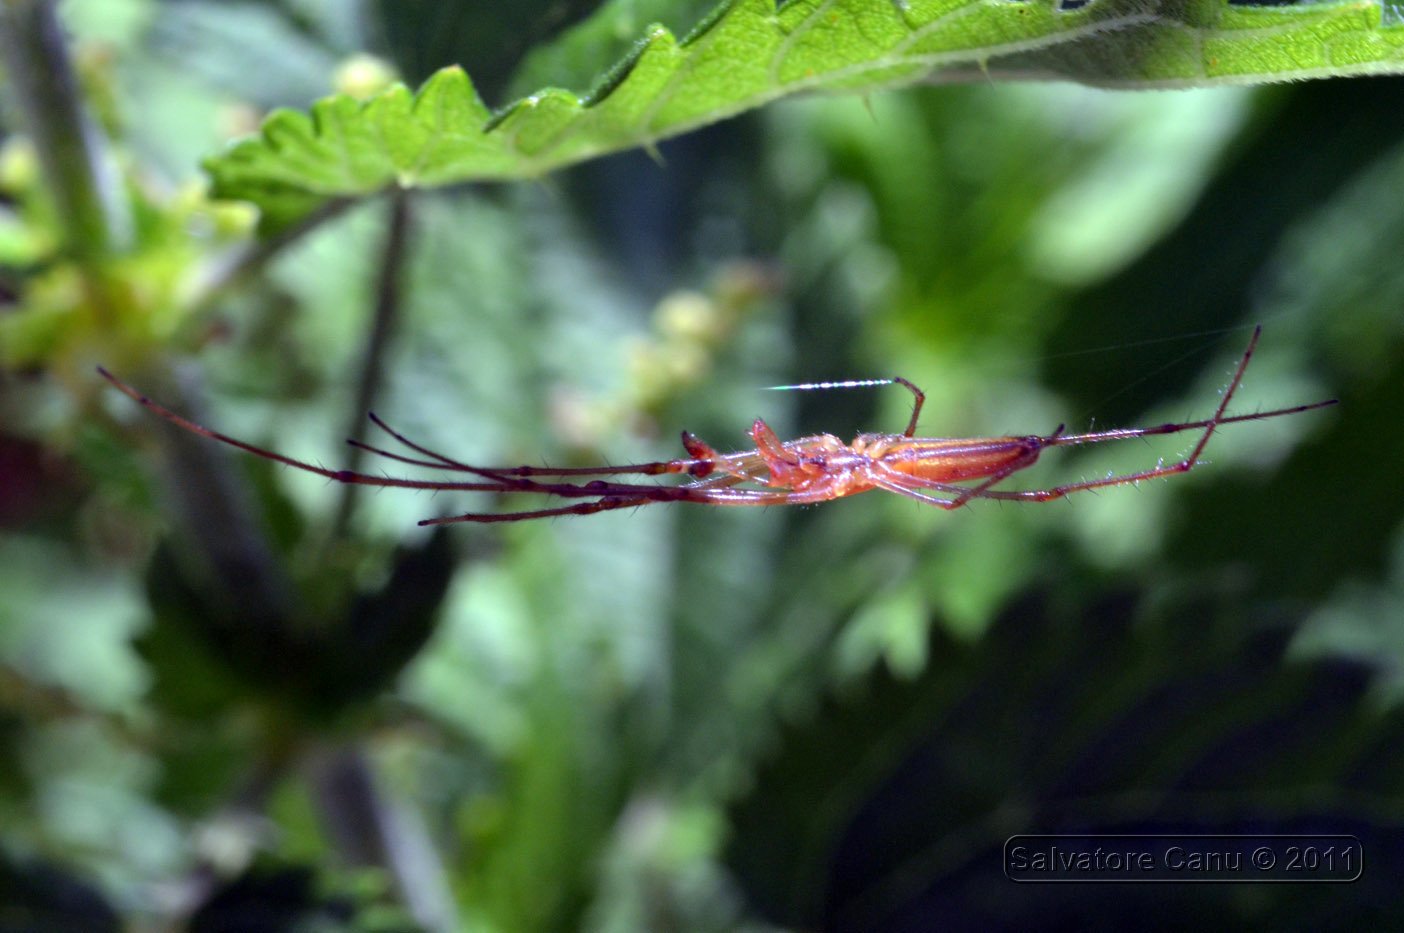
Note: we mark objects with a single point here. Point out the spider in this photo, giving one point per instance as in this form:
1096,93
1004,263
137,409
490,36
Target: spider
940,471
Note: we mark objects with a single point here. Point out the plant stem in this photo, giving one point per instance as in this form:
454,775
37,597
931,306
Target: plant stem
215,511
211,503
241,265
389,288
369,830
80,177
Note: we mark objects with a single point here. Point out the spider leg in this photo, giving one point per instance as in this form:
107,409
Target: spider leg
342,476
440,459
914,490
1058,492
747,466
1183,466
1209,425
412,461
920,397
507,474
503,484
580,508
655,468
718,481
915,487
655,494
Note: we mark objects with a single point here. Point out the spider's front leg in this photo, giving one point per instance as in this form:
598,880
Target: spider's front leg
721,469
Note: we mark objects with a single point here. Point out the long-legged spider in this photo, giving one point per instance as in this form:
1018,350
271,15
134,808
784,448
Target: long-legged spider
940,471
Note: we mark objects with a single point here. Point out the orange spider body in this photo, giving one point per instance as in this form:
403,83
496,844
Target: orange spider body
823,467
949,461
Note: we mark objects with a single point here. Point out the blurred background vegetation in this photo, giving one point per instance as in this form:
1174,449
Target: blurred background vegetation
237,697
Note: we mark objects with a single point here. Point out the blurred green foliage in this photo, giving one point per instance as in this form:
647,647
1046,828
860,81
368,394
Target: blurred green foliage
219,698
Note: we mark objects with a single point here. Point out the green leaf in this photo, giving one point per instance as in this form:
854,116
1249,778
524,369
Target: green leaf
1198,43
748,53
577,56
